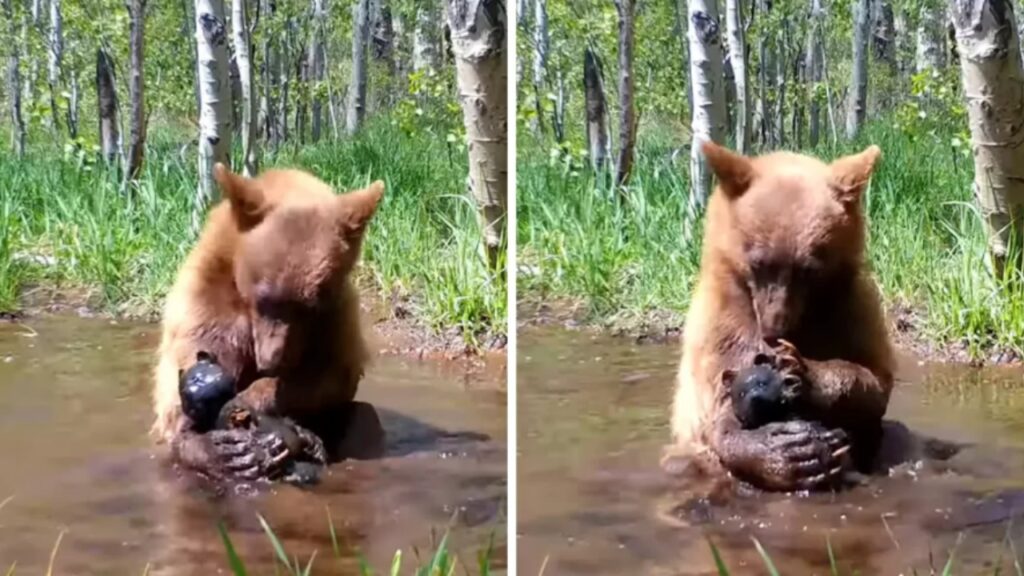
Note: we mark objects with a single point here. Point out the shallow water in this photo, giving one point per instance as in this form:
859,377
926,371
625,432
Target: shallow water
593,419
75,457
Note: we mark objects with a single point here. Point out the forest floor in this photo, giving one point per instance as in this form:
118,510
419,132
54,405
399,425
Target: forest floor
73,238
627,266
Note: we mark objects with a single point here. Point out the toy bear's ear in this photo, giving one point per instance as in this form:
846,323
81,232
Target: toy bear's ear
850,174
247,201
734,171
356,208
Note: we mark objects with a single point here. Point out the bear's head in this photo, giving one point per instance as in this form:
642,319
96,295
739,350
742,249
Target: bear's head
298,242
787,226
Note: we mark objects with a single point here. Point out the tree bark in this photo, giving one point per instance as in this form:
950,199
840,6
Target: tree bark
479,42
597,109
215,94
627,107
106,99
357,92
383,36
814,66
883,30
523,22
14,85
424,42
240,37
316,65
738,59
708,93
766,79
136,87
993,81
541,46
859,84
56,59
682,31
268,106
931,40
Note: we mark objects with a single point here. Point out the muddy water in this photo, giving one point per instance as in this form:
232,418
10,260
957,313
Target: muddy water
593,418
75,457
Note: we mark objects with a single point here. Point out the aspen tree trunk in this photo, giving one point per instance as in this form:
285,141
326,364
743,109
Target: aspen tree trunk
301,92
541,46
240,37
136,87
268,106
903,45
993,80
56,59
357,92
479,42
215,96
106,100
424,42
738,59
522,7
780,94
682,31
384,36
766,66
317,65
558,115
708,94
597,109
14,84
814,49
627,107
859,87
283,81
883,26
73,103
931,41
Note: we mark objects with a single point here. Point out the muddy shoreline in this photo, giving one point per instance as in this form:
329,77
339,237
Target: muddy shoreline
666,327
390,326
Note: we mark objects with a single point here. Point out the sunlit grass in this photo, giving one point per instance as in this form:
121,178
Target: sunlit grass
71,226
634,258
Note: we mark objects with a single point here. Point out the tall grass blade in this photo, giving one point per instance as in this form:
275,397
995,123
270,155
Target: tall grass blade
719,564
278,548
236,564
764,556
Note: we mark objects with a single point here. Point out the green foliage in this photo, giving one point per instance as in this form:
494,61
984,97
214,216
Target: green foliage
67,224
633,260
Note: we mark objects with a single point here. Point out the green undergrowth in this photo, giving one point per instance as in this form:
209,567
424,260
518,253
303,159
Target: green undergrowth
636,258
67,225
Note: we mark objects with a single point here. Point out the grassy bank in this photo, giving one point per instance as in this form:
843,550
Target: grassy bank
67,225
630,265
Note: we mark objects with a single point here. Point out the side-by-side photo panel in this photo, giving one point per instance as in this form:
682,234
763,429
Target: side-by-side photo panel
253,298
768,286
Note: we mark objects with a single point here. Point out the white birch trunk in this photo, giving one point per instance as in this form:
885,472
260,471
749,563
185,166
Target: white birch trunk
859,85
56,58
240,37
424,42
993,81
316,64
596,109
814,67
106,101
738,59
931,40
215,100
14,85
136,87
479,42
708,93
357,91
541,46
627,106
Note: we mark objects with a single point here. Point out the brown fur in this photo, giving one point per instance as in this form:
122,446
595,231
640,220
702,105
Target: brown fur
783,257
266,290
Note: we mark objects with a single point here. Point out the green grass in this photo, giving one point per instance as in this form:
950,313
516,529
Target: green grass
123,249
632,261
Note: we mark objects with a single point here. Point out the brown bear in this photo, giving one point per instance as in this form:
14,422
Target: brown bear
266,291
783,272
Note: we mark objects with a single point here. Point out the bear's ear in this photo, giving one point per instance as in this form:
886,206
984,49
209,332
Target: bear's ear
356,208
850,174
247,201
735,172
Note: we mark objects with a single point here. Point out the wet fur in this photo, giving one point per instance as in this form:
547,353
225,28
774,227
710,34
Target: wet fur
311,240
799,210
